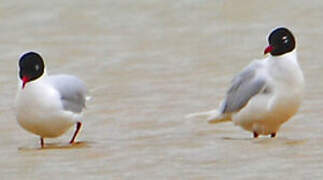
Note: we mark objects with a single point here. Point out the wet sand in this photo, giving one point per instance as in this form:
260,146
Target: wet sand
147,65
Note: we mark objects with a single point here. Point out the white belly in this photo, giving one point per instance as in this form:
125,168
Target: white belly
50,126
263,117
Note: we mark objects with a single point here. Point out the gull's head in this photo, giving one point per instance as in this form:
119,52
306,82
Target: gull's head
31,67
281,41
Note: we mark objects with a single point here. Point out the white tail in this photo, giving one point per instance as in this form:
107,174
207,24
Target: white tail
214,116
219,119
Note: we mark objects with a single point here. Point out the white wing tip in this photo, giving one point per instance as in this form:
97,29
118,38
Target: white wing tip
88,98
207,113
191,115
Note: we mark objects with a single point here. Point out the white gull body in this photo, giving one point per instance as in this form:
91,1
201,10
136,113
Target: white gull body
50,105
263,96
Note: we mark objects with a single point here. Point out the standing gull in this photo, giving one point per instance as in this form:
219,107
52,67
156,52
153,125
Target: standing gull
48,105
266,93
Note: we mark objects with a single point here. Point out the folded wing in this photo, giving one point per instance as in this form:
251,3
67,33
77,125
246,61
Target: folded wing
72,91
245,85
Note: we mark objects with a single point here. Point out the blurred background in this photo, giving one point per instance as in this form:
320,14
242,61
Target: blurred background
147,64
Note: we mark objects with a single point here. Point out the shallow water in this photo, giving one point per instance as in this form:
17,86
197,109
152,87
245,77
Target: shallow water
148,64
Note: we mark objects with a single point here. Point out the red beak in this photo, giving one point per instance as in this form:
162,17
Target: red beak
25,79
268,49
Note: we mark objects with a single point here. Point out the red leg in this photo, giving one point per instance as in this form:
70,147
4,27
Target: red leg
42,142
272,135
255,135
78,127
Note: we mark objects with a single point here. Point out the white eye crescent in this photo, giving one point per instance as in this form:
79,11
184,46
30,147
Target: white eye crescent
285,40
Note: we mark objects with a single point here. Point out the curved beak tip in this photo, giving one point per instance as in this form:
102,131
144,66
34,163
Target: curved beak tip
24,79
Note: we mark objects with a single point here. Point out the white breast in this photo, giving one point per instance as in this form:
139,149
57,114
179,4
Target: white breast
40,111
265,113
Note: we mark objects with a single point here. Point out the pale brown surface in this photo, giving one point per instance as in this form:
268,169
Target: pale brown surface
148,64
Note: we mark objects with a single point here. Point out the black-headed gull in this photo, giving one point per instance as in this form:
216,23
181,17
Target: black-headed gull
266,93
48,105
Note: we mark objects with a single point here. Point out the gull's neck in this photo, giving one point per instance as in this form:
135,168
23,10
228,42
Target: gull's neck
291,56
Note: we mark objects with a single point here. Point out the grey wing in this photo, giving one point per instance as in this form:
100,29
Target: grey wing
72,91
244,86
